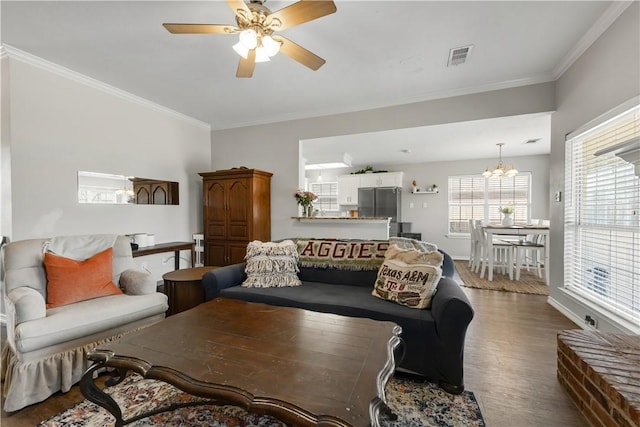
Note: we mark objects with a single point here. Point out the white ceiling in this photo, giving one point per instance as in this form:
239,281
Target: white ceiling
378,53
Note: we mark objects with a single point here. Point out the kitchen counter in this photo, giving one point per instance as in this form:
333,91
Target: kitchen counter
343,227
347,218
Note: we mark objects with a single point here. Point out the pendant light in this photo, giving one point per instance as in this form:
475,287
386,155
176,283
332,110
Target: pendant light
499,171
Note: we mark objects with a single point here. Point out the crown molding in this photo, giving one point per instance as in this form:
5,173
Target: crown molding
27,58
597,29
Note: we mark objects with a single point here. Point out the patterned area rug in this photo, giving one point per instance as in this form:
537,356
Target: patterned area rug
415,403
529,282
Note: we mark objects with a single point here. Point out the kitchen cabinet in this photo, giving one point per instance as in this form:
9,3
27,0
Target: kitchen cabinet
237,210
348,189
383,179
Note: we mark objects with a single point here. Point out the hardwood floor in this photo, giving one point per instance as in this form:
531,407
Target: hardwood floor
510,361
510,365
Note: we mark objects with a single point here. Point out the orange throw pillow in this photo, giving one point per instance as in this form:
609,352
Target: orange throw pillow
70,281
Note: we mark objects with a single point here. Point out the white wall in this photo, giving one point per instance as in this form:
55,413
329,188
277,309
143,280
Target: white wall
275,147
432,221
605,76
60,126
5,160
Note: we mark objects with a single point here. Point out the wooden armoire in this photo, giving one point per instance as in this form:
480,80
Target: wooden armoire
237,210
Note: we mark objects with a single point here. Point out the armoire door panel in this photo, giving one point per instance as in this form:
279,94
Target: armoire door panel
216,231
239,202
215,253
238,232
215,201
237,252
215,210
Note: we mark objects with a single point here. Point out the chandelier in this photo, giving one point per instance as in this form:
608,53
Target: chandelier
500,170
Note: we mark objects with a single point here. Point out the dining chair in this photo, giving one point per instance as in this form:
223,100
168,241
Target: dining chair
530,251
474,245
502,253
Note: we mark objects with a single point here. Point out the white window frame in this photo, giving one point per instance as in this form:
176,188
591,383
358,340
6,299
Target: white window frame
482,204
327,201
602,218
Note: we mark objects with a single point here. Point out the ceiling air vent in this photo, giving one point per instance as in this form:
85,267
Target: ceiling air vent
532,141
459,55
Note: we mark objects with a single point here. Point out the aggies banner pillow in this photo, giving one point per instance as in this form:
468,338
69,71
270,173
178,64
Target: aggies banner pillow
408,276
412,285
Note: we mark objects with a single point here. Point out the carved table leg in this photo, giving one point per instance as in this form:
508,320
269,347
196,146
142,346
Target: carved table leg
96,395
117,376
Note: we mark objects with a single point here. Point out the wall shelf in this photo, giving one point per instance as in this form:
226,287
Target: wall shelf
425,192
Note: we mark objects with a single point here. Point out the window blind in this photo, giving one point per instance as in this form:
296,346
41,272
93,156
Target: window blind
327,193
476,197
602,218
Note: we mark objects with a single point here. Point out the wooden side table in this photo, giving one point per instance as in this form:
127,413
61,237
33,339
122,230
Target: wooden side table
184,288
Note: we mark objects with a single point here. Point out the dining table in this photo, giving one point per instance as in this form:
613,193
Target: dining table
497,229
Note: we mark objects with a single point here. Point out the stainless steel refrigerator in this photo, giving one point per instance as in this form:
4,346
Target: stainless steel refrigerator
380,202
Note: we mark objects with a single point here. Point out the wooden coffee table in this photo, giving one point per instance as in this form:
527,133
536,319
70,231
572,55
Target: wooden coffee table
302,367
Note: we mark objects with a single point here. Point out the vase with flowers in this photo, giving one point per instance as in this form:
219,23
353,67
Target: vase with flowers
305,199
507,212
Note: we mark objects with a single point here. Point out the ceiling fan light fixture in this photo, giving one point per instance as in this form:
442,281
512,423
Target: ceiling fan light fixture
255,24
271,46
511,172
486,173
249,38
261,54
241,50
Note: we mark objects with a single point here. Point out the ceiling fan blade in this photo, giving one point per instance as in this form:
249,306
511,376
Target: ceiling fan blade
241,9
200,28
299,13
300,54
246,66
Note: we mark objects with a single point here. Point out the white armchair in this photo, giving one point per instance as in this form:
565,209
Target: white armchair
45,348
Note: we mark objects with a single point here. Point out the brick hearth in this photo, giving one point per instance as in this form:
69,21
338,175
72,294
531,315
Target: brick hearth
601,372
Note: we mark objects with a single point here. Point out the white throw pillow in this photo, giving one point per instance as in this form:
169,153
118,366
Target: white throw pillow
271,264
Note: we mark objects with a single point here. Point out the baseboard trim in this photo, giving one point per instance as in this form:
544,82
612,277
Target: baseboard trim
569,314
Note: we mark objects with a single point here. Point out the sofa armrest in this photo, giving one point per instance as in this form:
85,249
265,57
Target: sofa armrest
221,278
448,266
137,282
452,312
25,304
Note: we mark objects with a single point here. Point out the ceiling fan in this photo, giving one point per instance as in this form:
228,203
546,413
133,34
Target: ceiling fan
257,26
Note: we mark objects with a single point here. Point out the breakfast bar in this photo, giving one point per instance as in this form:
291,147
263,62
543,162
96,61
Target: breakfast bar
367,228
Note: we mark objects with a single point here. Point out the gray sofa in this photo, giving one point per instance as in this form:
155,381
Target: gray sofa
433,339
